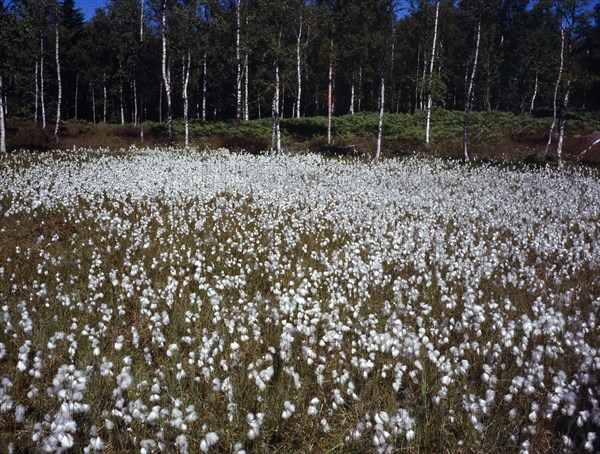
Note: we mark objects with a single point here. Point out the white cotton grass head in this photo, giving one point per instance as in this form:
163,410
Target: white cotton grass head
288,409
209,440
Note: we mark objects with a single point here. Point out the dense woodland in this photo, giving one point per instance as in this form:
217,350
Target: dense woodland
139,60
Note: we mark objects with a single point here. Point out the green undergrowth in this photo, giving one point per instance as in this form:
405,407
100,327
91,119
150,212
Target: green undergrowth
485,126
495,136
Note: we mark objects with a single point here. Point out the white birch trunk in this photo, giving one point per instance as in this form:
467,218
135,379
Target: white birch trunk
330,97
391,97
469,95
56,127
122,106
246,86
2,126
238,98
594,143
76,93
535,92
93,102
37,93
352,95
380,123
359,88
276,136
298,70
563,123
141,112
429,97
104,109
166,75
556,87
135,104
246,83
282,100
42,102
204,88
186,79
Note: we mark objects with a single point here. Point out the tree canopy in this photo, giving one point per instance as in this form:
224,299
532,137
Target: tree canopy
519,56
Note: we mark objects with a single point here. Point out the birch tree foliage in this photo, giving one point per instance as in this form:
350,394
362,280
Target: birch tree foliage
72,35
23,25
359,39
186,26
590,52
124,16
573,15
278,49
99,56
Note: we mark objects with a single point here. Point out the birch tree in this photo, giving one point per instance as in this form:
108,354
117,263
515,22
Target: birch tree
35,17
388,5
557,87
299,68
190,30
276,135
5,22
186,78
98,33
37,93
204,16
204,87
42,100
272,30
58,79
141,71
72,59
125,31
2,124
278,18
105,98
330,93
563,124
571,13
432,61
535,91
238,84
470,85
5,19
166,72
246,85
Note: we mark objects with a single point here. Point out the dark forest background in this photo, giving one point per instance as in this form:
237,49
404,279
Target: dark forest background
109,74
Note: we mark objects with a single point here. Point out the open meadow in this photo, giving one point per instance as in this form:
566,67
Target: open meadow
183,301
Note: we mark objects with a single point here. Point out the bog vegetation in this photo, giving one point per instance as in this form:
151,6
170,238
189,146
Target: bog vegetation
183,301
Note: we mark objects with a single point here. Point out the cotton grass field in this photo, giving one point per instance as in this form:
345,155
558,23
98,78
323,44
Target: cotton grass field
185,301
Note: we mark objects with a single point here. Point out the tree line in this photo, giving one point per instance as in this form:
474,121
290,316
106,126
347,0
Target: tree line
140,60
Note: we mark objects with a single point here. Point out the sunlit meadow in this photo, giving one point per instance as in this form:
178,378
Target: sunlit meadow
156,300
